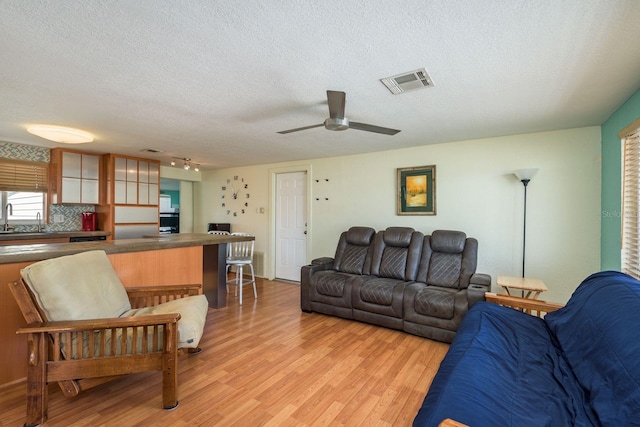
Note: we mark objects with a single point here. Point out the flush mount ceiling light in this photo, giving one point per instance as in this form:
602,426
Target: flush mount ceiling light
187,163
60,134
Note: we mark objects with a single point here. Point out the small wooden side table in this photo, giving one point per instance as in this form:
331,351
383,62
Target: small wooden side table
532,287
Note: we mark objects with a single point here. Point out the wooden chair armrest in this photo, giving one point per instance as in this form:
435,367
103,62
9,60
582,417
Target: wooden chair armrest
149,296
448,422
190,289
98,324
524,304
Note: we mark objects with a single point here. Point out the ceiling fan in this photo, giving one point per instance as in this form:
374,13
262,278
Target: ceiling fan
337,120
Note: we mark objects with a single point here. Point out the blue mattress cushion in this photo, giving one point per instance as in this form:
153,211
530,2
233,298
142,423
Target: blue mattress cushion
599,332
503,369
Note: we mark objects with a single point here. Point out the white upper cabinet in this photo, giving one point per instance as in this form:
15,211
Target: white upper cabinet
135,181
79,178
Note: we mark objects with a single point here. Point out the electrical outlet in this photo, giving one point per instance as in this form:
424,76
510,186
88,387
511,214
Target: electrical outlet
58,218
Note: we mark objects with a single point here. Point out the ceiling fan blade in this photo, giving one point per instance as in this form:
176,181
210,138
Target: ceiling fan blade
336,104
372,128
303,128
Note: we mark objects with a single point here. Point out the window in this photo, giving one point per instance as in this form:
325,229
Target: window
25,206
631,202
22,190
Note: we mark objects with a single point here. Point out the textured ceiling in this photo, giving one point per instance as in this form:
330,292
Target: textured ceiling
215,80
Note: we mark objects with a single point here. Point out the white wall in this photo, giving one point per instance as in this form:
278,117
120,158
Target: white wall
476,192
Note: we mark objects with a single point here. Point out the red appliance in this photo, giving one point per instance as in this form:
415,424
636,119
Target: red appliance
88,221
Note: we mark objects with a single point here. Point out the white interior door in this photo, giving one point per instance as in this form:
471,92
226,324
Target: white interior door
291,225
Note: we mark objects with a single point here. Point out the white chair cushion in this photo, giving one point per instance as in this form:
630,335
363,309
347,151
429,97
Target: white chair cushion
77,287
193,314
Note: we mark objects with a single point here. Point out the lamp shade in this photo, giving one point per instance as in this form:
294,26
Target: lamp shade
525,174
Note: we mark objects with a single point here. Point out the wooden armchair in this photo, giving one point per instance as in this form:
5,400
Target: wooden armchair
80,352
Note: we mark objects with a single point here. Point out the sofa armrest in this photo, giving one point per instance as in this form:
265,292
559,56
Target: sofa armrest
318,264
481,279
478,285
322,261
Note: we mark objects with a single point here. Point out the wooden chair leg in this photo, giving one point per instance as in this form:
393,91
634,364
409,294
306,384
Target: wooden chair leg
37,391
170,370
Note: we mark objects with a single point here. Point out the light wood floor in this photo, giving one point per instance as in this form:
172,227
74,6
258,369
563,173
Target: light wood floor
265,364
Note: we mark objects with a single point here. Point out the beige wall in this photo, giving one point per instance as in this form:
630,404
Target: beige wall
476,192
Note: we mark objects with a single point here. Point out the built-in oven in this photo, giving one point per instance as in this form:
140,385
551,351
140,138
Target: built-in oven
169,223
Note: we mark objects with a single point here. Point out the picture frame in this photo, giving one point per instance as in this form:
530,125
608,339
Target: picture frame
416,190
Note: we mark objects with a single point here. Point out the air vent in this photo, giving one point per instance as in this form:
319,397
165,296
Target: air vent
417,79
152,150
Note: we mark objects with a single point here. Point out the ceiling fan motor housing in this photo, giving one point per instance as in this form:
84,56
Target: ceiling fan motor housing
336,123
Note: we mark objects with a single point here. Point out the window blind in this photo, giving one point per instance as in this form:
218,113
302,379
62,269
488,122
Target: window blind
17,175
631,205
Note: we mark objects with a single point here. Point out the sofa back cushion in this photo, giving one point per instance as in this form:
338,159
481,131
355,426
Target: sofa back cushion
353,251
396,253
599,333
448,259
77,287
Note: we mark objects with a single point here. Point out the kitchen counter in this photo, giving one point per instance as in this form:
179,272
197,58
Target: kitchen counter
37,252
48,235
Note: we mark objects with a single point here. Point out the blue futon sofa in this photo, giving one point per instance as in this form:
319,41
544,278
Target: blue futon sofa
580,366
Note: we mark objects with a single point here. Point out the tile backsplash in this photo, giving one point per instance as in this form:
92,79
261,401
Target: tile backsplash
9,150
71,214
71,218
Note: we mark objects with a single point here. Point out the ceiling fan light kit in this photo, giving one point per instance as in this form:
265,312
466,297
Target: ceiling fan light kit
337,120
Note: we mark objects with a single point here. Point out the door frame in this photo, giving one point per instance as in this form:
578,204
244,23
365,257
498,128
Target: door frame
270,256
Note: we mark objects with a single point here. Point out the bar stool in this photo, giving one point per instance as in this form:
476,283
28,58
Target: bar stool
240,254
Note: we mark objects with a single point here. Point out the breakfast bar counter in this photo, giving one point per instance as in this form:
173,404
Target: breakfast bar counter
168,259
37,252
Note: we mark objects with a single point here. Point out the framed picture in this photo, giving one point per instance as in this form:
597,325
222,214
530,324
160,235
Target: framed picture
416,191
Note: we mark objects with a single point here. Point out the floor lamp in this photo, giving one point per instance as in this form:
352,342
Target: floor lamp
525,175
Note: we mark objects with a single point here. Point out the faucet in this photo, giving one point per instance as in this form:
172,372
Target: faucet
8,210
39,222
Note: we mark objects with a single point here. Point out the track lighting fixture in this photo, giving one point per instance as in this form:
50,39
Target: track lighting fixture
187,164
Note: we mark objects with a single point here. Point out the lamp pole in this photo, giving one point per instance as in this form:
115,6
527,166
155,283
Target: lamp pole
525,182
524,175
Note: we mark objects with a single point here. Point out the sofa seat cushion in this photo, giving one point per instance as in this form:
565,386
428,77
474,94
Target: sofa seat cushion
333,288
77,287
193,314
599,332
503,369
330,283
378,291
379,295
435,302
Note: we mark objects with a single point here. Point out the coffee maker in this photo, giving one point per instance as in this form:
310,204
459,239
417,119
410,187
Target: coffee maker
88,221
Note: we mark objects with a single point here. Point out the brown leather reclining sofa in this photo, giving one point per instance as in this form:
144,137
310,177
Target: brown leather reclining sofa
398,278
